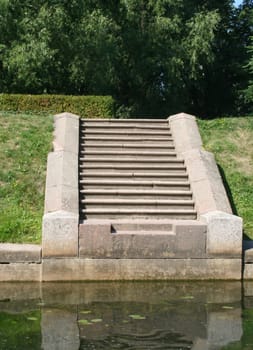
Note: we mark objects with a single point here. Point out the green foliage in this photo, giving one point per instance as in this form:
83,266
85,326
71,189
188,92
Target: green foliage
154,57
249,90
199,42
85,106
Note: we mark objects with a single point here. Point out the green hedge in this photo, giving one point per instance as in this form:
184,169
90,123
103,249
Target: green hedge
85,106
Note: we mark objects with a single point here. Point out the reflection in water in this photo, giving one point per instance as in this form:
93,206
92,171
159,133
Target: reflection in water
157,315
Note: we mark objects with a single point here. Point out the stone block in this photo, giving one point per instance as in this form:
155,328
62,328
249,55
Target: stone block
140,269
248,287
60,234
66,132
190,239
62,169
248,272
224,234
62,198
19,253
186,241
95,239
62,182
185,132
206,182
249,256
16,272
62,166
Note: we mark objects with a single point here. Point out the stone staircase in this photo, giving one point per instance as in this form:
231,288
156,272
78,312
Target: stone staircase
136,200
129,169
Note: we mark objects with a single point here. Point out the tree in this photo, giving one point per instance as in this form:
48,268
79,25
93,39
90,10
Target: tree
154,56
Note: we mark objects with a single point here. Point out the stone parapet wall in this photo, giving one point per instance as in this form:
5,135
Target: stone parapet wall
61,218
224,230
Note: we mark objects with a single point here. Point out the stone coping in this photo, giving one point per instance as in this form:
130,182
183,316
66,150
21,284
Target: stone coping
206,182
224,230
140,269
60,221
20,253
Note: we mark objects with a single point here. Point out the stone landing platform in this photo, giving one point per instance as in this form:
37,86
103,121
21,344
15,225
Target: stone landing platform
131,200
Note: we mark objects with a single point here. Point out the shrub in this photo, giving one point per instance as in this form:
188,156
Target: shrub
85,106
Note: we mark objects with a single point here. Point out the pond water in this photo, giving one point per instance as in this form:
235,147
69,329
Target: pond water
151,315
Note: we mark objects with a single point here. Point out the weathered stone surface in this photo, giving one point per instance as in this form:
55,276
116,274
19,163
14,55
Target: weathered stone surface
62,182
62,166
66,132
249,255
190,239
97,241
248,272
62,169
61,198
206,183
204,176
19,253
185,132
248,287
59,330
20,272
60,234
140,269
224,234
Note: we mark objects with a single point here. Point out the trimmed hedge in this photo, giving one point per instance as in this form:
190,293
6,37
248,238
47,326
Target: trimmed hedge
85,106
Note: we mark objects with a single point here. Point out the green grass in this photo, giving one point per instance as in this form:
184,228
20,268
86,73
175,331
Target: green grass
231,140
25,140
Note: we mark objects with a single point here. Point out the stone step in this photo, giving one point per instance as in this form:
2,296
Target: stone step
114,213
120,146
161,225
124,184
135,166
129,161
133,203
144,233
133,176
153,133
130,169
130,126
122,168
135,194
132,153
136,139
124,121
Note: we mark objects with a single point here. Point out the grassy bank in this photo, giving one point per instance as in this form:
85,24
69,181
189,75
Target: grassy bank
25,140
231,140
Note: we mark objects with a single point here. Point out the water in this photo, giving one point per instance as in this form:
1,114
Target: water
152,315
